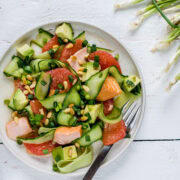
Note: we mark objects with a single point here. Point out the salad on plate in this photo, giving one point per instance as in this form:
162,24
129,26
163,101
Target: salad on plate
68,94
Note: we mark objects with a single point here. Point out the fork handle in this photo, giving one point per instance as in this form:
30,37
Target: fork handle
96,164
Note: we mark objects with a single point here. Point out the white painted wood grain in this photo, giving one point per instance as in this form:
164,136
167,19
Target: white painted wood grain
143,160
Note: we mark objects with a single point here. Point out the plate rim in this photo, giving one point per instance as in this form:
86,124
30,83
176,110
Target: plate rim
143,99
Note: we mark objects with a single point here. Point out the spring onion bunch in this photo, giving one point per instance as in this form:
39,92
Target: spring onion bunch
172,83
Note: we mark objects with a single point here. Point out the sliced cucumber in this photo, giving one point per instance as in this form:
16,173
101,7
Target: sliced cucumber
30,112
43,130
42,86
65,31
11,104
38,140
81,36
95,83
113,71
13,68
25,52
58,154
72,97
19,100
99,48
48,103
43,37
66,119
91,136
112,118
90,71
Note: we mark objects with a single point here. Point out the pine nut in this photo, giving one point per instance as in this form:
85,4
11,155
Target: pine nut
55,46
14,114
41,111
72,111
49,114
26,92
46,122
80,73
74,82
81,69
86,88
110,107
80,62
82,111
65,84
67,110
29,77
65,40
70,45
84,118
71,105
33,85
77,145
24,80
16,119
74,58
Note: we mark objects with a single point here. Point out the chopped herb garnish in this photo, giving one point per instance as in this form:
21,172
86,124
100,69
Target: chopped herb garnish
6,102
116,57
73,41
45,151
85,70
93,48
130,83
71,79
51,124
91,102
56,91
96,62
20,63
88,115
43,82
55,104
38,117
96,58
51,52
84,43
30,97
87,137
78,112
60,86
55,168
19,141
78,87
60,41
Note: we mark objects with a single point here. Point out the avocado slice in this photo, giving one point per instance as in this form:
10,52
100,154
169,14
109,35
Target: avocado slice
19,100
93,110
25,51
130,83
70,152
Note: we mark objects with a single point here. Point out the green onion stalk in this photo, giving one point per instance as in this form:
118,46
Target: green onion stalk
172,83
150,10
126,4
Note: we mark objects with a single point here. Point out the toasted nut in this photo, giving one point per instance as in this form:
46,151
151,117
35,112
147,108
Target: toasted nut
31,92
86,56
70,152
16,119
65,40
33,85
26,92
41,111
46,122
77,145
65,84
67,110
70,45
110,107
80,62
27,87
72,111
14,114
55,46
82,111
29,77
74,82
24,80
84,118
49,114
52,91
71,105
74,58
86,88
80,73
81,69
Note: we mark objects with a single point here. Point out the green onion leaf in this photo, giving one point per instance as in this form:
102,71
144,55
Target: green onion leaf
30,97
71,79
84,43
93,48
60,86
43,82
56,91
45,151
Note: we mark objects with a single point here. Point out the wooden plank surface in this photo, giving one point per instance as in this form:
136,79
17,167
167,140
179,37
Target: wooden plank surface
144,159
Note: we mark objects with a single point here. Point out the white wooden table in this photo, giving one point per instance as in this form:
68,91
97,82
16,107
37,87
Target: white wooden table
155,154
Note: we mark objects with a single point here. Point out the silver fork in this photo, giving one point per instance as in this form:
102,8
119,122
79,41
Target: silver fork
129,115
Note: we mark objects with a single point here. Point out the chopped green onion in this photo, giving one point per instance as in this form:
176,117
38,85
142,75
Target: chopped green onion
88,115
87,138
78,87
51,52
38,117
43,82
116,57
85,70
60,41
96,62
45,151
19,142
60,86
93,48
84,43
55,104
28,69
87,96
56,91
71,79
30,96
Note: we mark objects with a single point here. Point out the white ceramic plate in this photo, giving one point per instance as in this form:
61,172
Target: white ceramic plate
93,35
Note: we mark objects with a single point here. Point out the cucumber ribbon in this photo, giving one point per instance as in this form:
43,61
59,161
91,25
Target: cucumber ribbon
84,159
